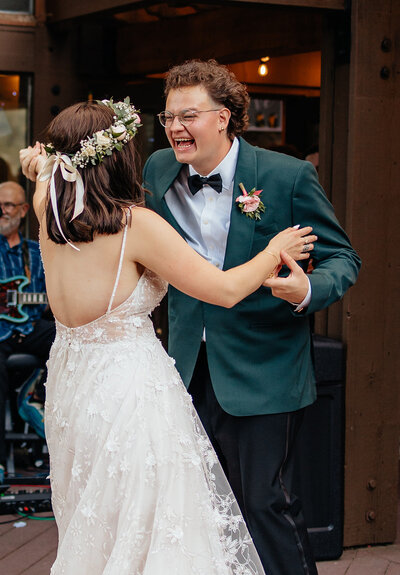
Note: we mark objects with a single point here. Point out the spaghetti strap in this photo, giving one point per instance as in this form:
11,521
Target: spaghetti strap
121,258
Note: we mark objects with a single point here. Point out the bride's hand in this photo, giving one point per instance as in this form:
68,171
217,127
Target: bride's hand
32,160
297,242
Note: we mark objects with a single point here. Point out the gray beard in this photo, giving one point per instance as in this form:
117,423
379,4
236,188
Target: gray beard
10,225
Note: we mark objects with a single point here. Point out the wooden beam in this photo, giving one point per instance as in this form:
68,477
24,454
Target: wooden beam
372,313
321,4
234,34
10,19
59,10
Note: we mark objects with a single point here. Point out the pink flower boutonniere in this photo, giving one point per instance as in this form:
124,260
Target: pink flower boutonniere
250,203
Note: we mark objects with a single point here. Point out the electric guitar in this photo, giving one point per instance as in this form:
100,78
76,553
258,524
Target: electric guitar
12,298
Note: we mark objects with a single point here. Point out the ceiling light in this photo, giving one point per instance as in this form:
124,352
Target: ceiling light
263,68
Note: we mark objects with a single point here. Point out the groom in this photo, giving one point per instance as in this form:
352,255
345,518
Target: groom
248,368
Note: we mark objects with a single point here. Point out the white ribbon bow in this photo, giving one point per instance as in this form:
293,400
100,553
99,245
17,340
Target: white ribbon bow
70,174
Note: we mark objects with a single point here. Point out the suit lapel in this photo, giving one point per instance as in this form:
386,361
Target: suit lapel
165,183
241,230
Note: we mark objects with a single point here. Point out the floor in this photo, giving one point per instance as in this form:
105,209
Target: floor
31,549
371,560
28,550
379,560
28,547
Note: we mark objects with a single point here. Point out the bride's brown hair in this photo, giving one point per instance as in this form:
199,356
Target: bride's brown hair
110,186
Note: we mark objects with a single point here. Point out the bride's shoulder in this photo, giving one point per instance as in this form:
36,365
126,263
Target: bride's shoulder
145,216
147,226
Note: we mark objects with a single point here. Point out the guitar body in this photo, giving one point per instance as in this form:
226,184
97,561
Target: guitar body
12,299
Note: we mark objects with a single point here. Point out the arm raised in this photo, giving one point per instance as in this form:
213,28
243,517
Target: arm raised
335,262
32,160
156,245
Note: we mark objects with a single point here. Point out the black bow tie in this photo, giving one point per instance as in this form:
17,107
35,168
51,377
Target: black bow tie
196,182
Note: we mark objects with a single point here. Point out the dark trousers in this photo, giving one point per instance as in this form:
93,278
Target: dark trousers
256,453
38,343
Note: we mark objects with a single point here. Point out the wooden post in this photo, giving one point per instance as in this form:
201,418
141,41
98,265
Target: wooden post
333,137
371,310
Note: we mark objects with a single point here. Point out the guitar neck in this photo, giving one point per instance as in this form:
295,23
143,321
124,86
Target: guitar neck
32,298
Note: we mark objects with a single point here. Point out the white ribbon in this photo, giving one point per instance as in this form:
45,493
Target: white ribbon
70,174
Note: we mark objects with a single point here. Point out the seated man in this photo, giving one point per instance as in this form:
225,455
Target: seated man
22,329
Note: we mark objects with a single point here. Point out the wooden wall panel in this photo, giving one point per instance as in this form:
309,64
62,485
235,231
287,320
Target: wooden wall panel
17,49
56,80
371,316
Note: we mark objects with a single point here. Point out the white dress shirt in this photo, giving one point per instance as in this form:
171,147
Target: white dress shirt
205,216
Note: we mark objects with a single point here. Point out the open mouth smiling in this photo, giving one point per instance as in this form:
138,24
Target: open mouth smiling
183,143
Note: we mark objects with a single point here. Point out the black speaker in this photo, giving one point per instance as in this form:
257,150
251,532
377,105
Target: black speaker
318,480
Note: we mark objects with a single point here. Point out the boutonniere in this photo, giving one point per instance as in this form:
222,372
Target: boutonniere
250,203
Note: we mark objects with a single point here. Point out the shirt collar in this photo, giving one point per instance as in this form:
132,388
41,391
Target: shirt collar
226,168
4,241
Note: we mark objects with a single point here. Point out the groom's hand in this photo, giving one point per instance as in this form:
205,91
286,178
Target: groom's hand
292,288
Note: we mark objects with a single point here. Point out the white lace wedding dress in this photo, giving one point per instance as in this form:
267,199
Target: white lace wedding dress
137,488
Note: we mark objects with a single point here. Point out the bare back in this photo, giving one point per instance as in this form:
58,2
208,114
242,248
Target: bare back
80,283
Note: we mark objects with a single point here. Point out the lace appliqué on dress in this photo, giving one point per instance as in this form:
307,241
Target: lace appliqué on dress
137,487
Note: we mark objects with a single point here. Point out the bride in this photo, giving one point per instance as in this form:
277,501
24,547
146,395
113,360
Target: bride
137,488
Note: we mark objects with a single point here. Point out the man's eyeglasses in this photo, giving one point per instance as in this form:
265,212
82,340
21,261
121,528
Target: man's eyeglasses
186,117
9,206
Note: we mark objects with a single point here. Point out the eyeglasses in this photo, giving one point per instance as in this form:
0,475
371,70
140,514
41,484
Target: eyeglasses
9,206
186,117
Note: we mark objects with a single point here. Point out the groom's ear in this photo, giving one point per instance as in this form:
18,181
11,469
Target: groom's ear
224,117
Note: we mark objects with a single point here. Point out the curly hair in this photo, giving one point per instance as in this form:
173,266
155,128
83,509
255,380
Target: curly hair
221,84
110,186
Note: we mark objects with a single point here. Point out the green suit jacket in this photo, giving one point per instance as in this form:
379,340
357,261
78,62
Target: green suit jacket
259,351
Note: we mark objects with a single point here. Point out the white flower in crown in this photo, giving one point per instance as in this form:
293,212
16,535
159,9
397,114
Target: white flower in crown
119,132
102,139
88,151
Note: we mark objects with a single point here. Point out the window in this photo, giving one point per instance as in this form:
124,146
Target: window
22,6
14,122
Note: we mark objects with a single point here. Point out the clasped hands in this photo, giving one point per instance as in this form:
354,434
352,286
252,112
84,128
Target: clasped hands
290,245
32,160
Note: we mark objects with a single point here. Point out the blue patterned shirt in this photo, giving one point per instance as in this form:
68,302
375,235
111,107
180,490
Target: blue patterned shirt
12,264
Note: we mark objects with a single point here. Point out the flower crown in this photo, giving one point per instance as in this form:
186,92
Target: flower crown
95,148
